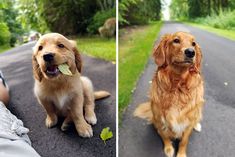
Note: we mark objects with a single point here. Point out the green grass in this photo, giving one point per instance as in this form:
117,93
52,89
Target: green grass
4,48
230,34
98,47
135,48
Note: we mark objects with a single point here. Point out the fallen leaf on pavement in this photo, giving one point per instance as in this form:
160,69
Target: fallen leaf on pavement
106,134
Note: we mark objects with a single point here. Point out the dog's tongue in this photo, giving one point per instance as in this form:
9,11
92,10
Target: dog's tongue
52,69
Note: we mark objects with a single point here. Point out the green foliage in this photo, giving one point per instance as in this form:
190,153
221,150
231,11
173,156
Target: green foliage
136,19
191,9
106,4
217,14
8,16
194,9
225,20
179,9
124,6
5,34
68,17
152,9
138,11
30,15
99,18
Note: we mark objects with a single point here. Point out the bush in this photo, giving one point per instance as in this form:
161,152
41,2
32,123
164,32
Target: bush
225,20
5,34
138,12
99,19
137,19
13,39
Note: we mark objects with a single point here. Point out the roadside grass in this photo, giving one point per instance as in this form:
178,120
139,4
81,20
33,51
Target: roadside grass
97,47
4,48
135,47
230,34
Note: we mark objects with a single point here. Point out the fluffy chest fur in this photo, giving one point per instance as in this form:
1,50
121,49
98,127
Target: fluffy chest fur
176,105
59,94
174,123
61,99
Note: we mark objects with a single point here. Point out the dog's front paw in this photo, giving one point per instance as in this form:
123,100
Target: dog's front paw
198,127
181,155
65,126
51,121
169,151
91,118
84,130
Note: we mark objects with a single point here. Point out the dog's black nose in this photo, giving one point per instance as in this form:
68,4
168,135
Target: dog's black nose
190,53
48,57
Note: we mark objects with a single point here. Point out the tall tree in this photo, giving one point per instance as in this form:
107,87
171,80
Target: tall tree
139,11
194,9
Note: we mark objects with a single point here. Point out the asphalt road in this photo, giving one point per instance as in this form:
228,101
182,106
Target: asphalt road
17,68
217,139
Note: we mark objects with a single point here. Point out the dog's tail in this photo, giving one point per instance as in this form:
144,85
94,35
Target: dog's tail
144,111
101,94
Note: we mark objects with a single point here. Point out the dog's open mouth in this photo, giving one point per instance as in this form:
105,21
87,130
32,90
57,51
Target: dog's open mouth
52,70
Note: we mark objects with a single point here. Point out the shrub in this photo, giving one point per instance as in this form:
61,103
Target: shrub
99,19
137,19
225,20
5,34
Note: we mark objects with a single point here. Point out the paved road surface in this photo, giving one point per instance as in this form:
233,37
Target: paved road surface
217,139
16,65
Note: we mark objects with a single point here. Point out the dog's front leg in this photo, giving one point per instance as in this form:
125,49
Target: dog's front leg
66,123
83,128
168,148
184,142
51,119
89,101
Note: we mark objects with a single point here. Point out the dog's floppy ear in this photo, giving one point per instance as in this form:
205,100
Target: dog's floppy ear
36,69
78,59
159,51
198,57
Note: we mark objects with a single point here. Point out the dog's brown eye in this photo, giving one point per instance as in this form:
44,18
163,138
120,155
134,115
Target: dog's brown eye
60,45
176,41
40,48
193,43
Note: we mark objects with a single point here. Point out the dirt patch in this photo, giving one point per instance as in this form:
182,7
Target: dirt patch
127,32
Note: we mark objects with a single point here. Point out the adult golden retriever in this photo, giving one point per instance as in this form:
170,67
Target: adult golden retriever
59,94
176,94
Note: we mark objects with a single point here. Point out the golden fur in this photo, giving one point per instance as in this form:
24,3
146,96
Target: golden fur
108,29
63,95
176,94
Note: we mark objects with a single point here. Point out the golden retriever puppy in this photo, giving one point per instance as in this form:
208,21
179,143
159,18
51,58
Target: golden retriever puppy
176,94
108,29
59,94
